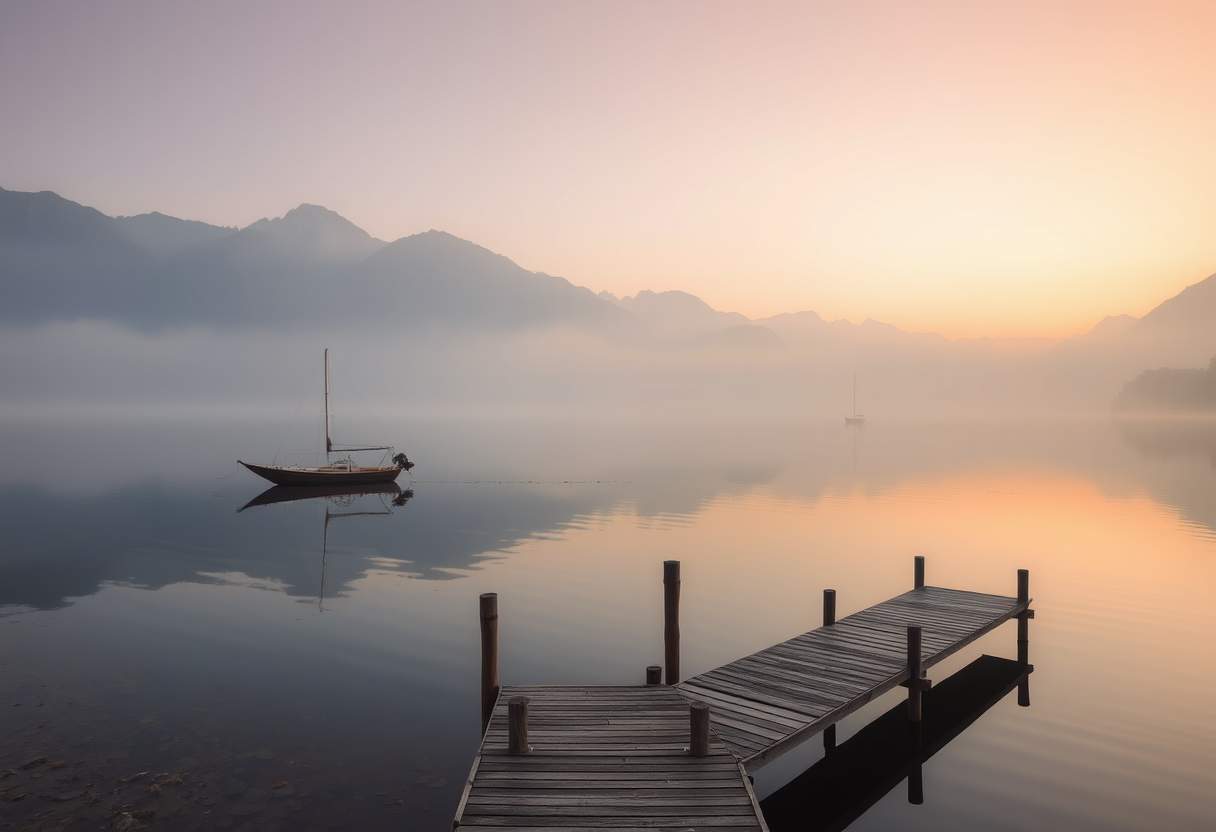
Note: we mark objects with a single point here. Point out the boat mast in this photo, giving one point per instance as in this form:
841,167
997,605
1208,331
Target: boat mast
854,396
329,445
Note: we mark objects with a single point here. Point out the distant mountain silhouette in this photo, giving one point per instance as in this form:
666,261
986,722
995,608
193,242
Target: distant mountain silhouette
677,314
436,278
63,261
312,268
160,234
1192,308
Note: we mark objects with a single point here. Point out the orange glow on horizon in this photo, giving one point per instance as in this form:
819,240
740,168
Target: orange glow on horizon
968,169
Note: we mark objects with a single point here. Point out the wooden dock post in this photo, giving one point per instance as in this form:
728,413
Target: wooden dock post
489,656
517,724
829,740
829,607
918,577
671,619
914,671
1024,616
698,729
1024,636
654,675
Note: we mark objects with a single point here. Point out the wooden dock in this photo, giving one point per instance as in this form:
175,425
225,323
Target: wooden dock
604,757
762,703
582,758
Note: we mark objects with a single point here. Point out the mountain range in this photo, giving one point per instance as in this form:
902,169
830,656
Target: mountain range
62,261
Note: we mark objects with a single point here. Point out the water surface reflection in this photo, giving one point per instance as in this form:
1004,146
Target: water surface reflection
148,625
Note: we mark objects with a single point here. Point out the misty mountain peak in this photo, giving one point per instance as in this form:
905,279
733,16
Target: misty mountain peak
314,230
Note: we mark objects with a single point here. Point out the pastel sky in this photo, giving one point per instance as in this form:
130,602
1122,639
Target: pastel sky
974,168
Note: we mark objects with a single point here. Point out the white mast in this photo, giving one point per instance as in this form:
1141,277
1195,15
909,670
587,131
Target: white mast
328,443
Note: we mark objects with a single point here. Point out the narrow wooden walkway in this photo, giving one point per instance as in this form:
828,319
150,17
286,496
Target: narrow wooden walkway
588,758
762,703
604,757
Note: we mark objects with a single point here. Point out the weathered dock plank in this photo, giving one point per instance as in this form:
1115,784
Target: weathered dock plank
764,703
604,757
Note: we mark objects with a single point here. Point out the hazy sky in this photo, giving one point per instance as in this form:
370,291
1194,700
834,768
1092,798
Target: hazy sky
971,167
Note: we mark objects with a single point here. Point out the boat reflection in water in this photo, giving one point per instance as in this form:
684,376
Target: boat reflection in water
855,775
387,495
339,494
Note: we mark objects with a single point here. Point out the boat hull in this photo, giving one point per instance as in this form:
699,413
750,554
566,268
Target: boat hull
322,476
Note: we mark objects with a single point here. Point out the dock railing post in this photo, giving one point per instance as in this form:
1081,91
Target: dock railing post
517,719
1024,637
654,675
829,607
1024,616
914,670
489,656
698,729
918,572
671,620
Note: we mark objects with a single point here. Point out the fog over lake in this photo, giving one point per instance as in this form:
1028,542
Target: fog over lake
269,660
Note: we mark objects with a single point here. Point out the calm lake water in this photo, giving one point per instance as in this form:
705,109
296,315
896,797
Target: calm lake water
169,657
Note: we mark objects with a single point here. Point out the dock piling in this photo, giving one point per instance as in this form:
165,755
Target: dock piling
698,729
918,579
517,724
654,675
1024,616
1024,636
829,607
489,656
671,620
914,672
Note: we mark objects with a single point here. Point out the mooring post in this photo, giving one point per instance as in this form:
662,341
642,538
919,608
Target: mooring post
829,740
1024,637
829,607
918,580
671,619
698,729
914,671
1024,616
489,656
517,723
654,675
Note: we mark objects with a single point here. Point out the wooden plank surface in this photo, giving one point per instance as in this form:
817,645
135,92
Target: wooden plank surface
616,757
764,703
605,758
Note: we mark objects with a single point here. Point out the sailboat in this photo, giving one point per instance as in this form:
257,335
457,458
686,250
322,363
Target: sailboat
340,471
856,418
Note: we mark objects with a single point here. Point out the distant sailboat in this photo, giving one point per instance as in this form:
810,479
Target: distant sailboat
856,418
336,471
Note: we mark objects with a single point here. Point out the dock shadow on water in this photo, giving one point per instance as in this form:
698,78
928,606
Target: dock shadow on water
854,775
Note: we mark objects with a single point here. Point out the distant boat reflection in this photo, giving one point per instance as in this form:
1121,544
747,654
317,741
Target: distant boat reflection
855,775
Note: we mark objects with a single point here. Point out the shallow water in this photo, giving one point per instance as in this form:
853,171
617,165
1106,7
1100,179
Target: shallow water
260,682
